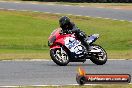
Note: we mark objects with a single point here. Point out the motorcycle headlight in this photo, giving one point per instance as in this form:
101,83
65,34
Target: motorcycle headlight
51,41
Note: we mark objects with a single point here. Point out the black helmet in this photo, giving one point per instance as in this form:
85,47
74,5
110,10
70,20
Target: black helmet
63,21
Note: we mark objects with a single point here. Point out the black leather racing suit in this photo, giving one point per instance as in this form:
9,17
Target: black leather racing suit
72,28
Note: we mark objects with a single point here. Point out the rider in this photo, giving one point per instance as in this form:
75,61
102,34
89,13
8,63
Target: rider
69,27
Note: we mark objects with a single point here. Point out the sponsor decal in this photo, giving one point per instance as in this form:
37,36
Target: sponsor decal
83,78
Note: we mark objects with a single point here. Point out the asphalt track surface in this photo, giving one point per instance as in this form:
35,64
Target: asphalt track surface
74,10
16,73
19,73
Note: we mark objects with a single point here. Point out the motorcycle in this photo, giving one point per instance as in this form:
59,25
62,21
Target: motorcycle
65,48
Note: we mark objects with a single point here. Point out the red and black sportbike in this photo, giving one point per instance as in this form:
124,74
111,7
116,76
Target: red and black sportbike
65,48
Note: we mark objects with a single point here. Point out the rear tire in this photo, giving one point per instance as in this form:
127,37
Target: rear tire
101,58
59,58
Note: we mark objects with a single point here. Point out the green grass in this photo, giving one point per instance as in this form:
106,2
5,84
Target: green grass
25,34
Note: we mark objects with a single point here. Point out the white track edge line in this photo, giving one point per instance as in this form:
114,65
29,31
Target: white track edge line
54,85
51,60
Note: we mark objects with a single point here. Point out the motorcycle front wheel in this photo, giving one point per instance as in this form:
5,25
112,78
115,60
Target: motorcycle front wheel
99,58
59,56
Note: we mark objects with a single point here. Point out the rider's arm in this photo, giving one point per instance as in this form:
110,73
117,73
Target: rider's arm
78,32
75,29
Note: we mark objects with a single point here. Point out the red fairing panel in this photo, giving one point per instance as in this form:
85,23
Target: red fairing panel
54,47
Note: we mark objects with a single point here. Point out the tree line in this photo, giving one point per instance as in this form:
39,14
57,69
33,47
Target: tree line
100,1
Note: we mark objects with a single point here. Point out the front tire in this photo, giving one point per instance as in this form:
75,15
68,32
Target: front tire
99,58
59,56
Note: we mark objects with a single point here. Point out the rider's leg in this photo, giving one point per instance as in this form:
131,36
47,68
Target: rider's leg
83,38
86,44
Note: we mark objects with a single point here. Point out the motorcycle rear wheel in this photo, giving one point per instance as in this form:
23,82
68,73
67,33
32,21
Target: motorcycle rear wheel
59,57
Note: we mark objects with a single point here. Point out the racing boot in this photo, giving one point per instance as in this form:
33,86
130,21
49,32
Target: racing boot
86,45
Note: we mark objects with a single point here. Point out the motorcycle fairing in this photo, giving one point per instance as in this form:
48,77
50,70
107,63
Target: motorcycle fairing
93,49
55,47
74,46
92,38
